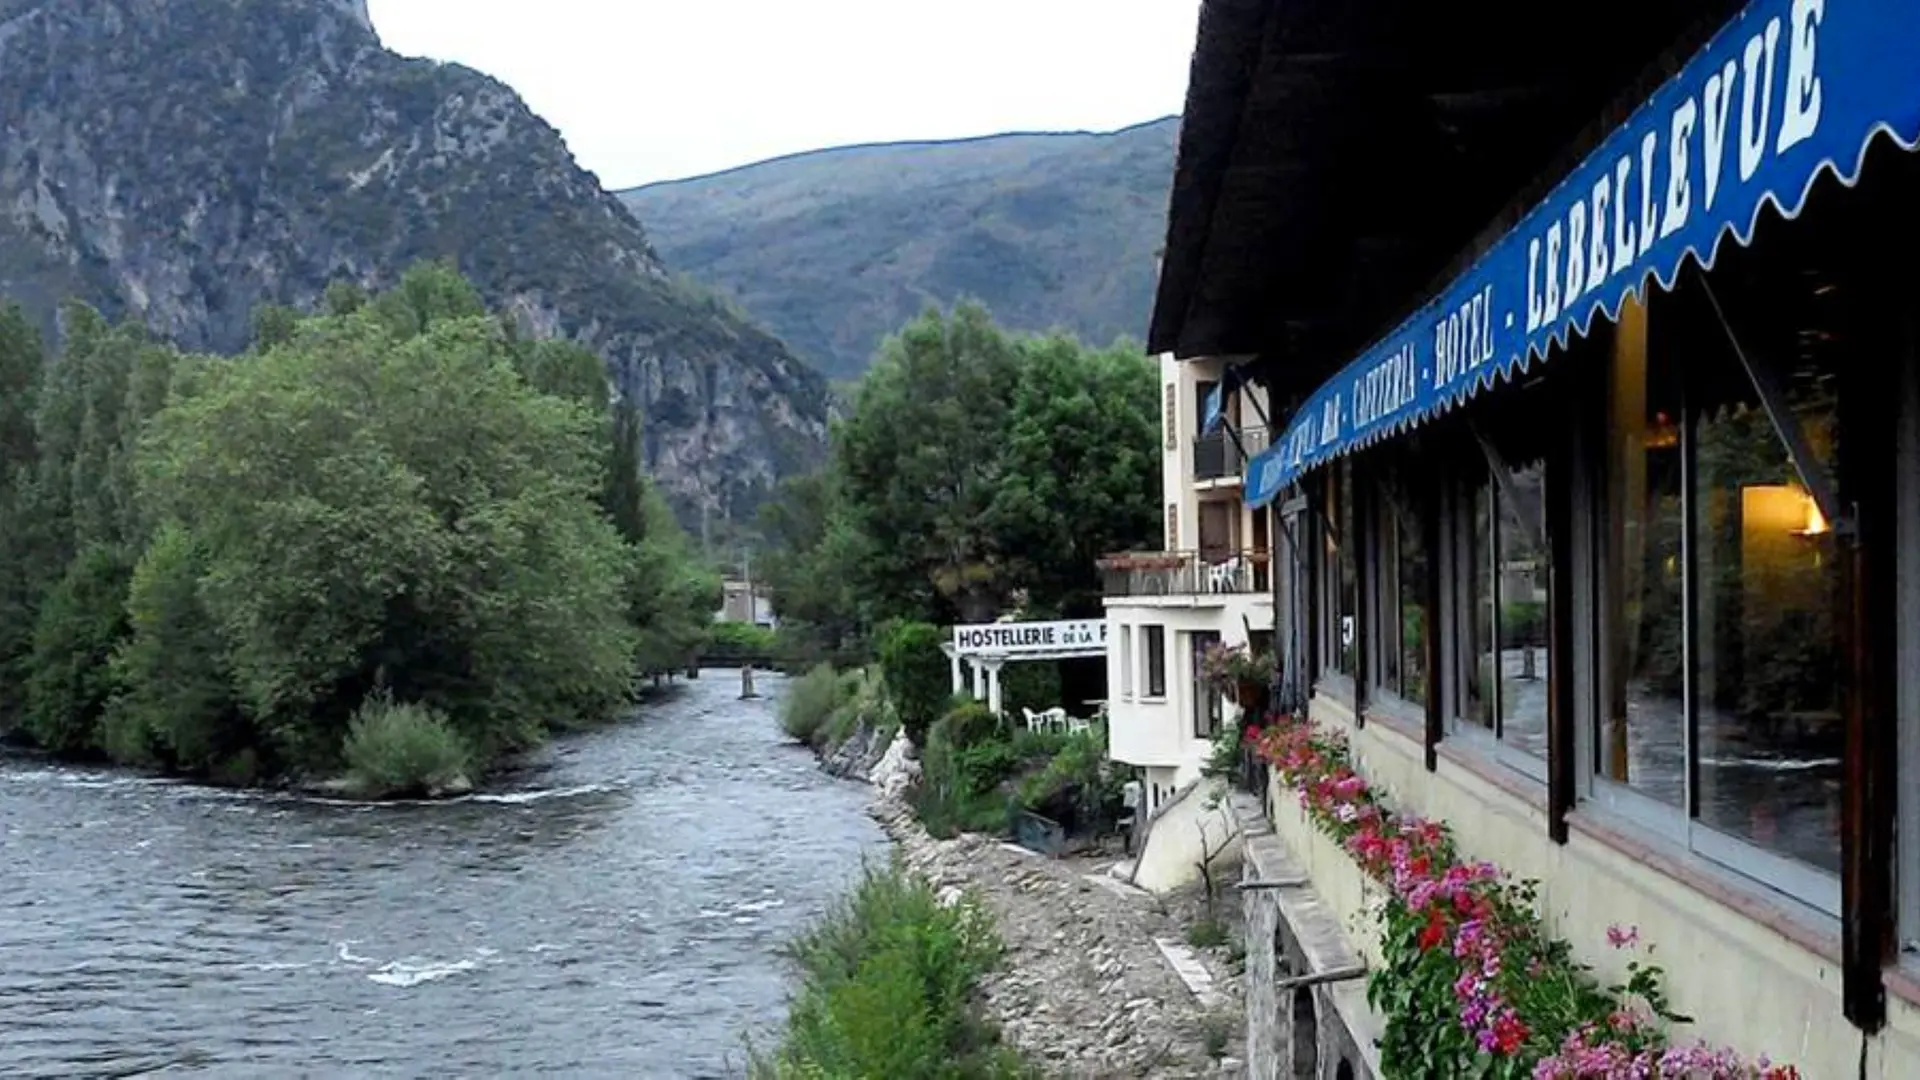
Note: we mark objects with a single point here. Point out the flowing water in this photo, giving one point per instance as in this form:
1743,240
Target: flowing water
616,911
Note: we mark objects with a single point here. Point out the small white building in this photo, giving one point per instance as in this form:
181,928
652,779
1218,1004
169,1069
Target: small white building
1210,582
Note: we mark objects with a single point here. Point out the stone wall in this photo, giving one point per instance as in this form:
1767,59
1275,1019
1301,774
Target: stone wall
1324,1031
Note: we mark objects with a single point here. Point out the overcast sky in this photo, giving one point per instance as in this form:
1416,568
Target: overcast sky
650,90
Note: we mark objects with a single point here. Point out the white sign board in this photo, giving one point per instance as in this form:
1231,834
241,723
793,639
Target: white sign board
1016,638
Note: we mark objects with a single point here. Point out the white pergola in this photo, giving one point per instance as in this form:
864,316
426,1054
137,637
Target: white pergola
986,649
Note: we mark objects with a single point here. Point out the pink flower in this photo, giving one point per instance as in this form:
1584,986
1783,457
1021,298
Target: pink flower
1623,937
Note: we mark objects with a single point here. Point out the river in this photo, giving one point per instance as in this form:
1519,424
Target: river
618,910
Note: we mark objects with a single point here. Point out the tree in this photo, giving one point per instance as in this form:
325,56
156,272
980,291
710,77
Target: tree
1080,468
918,679
919,459
21,361
385,504
973,468
399,506
69,681
175,702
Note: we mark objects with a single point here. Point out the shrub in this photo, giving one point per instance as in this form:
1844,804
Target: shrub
918,676
740,641
969,723
1077,788
888,980
961,774
863,703
811,702
397,749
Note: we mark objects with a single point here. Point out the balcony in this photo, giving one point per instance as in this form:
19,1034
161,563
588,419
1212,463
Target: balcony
1218,457
1185,573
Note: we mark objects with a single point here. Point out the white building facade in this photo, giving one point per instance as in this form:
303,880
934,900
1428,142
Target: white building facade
1210,582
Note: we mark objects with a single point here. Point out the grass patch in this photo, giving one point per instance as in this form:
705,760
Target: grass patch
888,985
395,749
1208,934
1216,1034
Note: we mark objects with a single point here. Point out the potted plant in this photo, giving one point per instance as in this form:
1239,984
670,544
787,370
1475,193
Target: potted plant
1237,673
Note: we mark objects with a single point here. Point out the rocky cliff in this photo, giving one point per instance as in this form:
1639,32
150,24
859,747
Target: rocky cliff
183,161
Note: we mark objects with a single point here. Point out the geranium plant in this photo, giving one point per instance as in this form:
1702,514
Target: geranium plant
1472,985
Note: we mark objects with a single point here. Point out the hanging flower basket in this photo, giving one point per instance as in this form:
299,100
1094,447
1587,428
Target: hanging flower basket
1235,672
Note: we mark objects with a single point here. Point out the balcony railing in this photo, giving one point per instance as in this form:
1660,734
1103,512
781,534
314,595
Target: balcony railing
1185,573
1218,457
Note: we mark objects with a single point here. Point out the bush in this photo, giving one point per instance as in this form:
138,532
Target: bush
969,723
741,641
863,703
919,678
395,749
811,702
888,981
1078,787
960,779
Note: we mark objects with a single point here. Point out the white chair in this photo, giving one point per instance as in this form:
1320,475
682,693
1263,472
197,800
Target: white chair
1223,577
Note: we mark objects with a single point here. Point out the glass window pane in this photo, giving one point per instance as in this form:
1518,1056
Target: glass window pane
1341,580
1412,578
1523,593
1643,721
1208,708
1768,667
1156,661
1477,694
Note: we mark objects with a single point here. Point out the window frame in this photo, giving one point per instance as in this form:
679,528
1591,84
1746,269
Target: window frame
1206,701
1680,825
1155,648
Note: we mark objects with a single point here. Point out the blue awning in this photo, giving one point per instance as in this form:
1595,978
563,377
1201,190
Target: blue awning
1786,90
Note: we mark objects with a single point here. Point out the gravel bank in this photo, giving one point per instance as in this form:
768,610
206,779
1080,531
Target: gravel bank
1084,991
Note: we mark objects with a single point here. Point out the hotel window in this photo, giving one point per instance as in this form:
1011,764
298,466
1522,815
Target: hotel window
1126,662
1502,579
1156,661
1339,577
1727,605
1398,635
1208,709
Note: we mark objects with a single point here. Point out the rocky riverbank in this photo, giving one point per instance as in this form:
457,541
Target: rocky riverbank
1085,989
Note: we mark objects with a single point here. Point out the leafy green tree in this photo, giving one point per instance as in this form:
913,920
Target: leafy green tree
973,470
918,676
385,504
1080,468
920,462
21,360
176,703
73,640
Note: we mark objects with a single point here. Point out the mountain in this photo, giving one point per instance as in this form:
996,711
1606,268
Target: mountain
835,249
183,161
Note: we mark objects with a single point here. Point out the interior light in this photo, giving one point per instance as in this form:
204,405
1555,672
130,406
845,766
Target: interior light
1816,521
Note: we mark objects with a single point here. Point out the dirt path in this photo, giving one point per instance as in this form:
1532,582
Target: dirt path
1085,989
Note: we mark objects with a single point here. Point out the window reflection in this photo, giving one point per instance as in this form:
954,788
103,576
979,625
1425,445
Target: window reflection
1409,676
1770,601
1477,698
1643,725
1522,592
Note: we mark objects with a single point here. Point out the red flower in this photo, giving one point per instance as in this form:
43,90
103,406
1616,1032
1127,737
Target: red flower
1434,933
1509,1033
